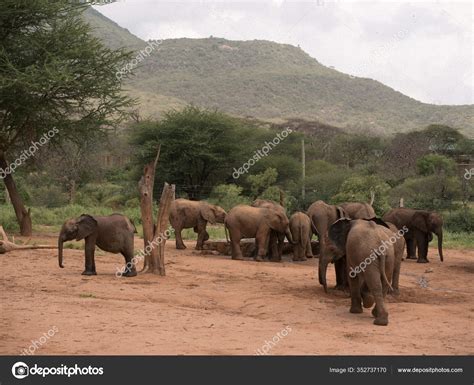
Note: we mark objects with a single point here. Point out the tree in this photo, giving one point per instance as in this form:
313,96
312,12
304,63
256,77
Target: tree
433,164
360,188
57,82
199,148
261,182
228,196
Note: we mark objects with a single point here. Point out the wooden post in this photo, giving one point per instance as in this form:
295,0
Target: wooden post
167,196
154,237
145,186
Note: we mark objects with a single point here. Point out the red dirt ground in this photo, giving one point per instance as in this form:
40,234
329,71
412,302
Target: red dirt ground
209,304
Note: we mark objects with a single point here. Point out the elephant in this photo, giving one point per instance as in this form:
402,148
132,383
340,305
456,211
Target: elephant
113,233
277,239
322,216
185,214
370,257
399,248
245,221
421,224
301,231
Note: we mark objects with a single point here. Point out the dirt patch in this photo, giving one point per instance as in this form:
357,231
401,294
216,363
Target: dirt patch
209,304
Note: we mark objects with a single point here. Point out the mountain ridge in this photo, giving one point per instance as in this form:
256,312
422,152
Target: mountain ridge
269,81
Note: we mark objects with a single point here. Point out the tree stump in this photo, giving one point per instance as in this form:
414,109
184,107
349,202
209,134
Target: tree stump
154,237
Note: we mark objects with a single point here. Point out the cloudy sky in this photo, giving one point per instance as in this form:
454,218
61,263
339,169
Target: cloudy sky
423,49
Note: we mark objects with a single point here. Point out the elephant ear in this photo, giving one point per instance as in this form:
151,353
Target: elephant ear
338,232
86,225
340,213
276,219
419,221
207,212
379,221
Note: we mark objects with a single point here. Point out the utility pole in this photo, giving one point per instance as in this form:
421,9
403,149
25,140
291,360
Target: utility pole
303,173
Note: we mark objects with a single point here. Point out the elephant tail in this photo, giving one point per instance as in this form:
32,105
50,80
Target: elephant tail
382,271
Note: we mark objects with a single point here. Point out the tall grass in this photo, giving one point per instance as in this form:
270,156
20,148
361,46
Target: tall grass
55,217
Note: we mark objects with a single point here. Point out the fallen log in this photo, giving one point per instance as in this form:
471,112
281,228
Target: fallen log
6,245
248,247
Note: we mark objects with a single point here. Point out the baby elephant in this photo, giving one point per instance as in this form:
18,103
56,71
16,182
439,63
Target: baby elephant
370,254
185,214
300,227
113,233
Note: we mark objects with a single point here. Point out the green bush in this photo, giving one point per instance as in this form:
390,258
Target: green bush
228,196
431,192
460,220
48,196
358,189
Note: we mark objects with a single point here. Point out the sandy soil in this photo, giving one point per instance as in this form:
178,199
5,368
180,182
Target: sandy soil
209,304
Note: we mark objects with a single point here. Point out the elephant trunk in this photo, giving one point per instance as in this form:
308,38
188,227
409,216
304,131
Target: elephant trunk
60,251
289,236
322,269
439,234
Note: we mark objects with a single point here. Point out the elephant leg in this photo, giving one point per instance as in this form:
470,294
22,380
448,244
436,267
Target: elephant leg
262,241
89,253
356,298
376,288
179,240
396,278
308,249
320,263
299,252
202,235
422,242
235,237
130,270
411,248
340,268
281,244
274,247
367,298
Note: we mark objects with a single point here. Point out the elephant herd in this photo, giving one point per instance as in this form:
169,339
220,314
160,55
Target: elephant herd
366,251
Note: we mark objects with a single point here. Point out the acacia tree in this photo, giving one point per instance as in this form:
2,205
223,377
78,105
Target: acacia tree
53,75
200,148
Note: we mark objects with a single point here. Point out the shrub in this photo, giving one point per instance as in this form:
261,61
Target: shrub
460,220
358,189
228,196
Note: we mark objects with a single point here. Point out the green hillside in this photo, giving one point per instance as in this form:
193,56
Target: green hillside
270,81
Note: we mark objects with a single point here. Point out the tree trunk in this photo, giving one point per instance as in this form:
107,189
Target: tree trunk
145,186
23,215
72,192
167,196
154,237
